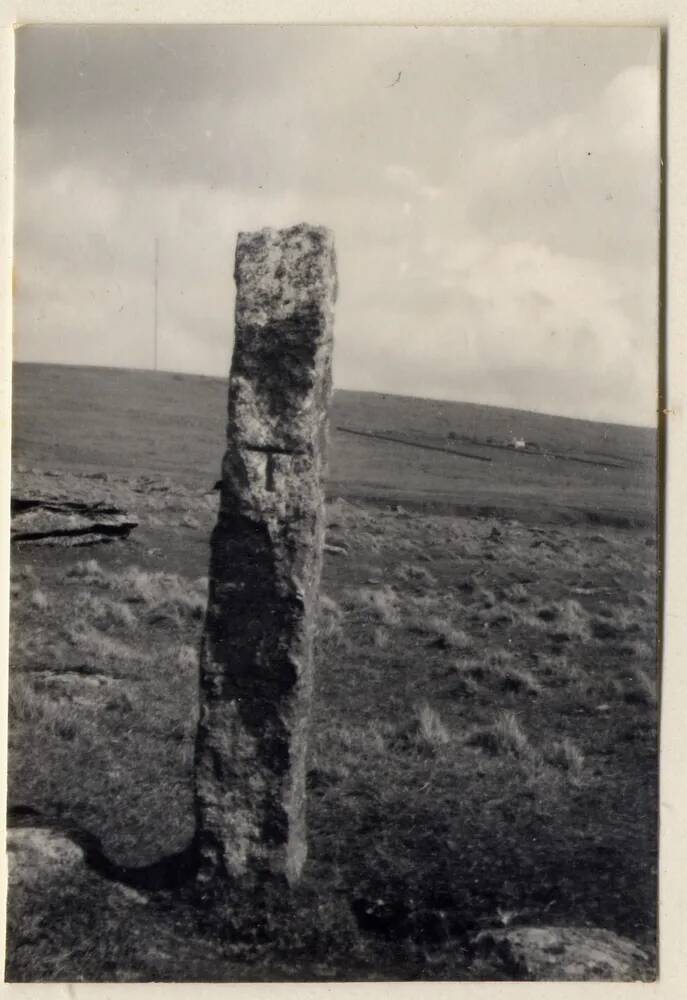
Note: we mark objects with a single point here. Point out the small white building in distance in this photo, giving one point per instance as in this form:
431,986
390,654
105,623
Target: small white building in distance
519,443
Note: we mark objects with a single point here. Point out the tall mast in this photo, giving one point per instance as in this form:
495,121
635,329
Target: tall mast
157,261
155,282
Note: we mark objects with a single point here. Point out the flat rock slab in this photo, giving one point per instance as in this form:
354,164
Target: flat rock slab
55,521
560,954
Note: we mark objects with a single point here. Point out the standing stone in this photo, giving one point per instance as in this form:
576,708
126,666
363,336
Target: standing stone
266,555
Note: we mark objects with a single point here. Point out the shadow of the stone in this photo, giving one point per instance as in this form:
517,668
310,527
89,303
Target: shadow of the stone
172,872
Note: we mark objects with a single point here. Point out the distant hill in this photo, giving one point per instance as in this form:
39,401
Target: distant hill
134,422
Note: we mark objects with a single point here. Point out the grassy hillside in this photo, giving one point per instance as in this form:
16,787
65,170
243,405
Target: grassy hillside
92,418
483,750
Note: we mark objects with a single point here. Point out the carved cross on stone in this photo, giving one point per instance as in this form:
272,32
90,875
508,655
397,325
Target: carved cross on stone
265,563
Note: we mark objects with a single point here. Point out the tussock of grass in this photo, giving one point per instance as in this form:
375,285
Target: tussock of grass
103,651
329,621
485,598
572,621
464,683
381,638
89,571
40,600
505,737
348,748
559,669
640,686
498,669
328,606
518,593
445,635
166,594
23,573
432,734
424,733
104,612
381,604
630,619
509,675
31,708
420,607
518,679
120,702
564,620
414,575
638,649
623,621
472,667
509,735
567,756
542,770
501,614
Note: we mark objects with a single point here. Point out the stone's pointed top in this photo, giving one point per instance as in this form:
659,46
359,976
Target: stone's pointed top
301,228
290,269
300,239
281,367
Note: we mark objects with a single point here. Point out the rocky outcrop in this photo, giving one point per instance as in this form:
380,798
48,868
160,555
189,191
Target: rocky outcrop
55,521
265,564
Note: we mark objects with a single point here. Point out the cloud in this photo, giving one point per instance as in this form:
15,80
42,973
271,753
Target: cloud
585,182
495,210
517,307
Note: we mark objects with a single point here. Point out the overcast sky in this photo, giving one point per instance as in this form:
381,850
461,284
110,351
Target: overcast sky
493,194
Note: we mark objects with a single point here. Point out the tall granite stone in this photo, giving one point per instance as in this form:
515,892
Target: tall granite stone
266,554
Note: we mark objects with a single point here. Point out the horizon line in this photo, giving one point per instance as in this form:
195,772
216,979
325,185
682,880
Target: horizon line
341,388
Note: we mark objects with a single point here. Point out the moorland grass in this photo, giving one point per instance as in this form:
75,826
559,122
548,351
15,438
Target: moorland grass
448,780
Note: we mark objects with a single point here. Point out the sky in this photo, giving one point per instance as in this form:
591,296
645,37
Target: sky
493,193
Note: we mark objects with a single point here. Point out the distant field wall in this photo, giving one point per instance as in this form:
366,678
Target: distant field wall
134,423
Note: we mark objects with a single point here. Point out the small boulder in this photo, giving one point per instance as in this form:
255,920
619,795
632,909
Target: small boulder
336,550
562,954
34,853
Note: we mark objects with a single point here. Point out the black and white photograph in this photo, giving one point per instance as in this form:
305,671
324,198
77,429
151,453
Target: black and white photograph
334,554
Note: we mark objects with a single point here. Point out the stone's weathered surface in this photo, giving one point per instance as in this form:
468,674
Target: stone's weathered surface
281,368
265,564
561,954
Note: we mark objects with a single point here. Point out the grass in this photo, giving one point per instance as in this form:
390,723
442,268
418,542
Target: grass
565,620
505,736
566,755
29,707
378,604
39,600
641,686
519,680
446,636
432,730
414,575
540,768
466,754
184,429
